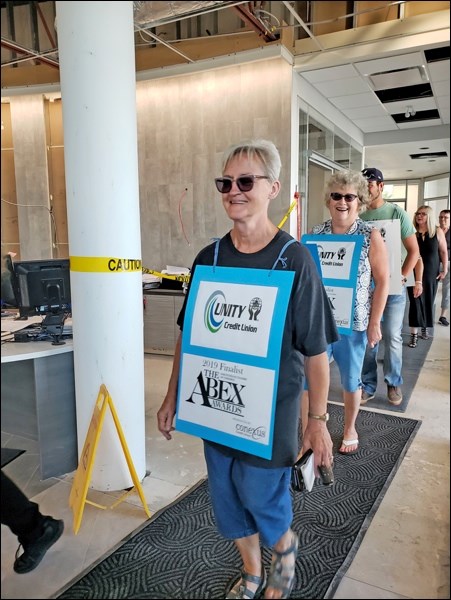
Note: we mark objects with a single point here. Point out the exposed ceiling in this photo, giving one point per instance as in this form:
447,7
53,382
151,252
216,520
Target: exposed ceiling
401,92
398,99
381,96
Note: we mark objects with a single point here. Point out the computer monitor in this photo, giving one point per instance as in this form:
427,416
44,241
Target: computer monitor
43,288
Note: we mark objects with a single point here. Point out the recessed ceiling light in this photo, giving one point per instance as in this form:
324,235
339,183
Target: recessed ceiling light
431,160
409,170
424,148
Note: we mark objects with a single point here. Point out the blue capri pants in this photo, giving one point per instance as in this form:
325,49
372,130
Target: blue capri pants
348,353
248,499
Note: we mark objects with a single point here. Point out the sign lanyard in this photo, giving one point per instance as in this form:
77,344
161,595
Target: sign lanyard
230,355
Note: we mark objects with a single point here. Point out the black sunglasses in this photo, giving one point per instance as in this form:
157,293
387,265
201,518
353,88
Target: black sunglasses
245,183
348,197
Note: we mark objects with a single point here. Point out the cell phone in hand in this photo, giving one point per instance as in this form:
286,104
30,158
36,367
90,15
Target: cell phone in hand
303,472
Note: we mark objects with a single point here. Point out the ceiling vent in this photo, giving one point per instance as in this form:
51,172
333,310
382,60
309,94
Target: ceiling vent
398,78
410,92
426,155
437,54
420,115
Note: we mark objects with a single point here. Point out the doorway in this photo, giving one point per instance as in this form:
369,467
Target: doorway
317,211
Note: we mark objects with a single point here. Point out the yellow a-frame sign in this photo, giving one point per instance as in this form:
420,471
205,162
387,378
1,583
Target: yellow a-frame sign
79,491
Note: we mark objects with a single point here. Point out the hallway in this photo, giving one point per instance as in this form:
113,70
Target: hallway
404,554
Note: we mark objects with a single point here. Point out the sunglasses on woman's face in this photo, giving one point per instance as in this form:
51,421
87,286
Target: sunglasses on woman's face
421,214
348,197
245,183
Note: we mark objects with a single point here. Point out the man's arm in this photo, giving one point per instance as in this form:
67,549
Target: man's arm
443,251
413,254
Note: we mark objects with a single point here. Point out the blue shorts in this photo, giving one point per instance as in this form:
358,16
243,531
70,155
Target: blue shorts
349,353
247,499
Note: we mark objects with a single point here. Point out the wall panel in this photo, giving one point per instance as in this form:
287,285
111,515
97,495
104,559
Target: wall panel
184,124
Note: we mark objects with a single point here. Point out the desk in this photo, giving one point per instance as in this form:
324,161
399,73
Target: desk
38,401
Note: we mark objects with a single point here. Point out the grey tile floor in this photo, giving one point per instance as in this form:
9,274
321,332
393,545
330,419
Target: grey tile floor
405,553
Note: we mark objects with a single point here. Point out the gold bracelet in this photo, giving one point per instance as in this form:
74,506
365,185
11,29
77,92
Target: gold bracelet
324,417
420,282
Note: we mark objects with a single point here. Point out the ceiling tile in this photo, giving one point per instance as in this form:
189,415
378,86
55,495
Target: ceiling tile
441,88
344,87
365,112
332,73
398,78
439,71
367,99
403,61
443,102
376,124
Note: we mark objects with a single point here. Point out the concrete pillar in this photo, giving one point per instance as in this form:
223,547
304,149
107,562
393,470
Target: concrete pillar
96,52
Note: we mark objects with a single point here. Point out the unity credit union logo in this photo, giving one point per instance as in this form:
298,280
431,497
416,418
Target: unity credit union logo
330,258
213,316
220,313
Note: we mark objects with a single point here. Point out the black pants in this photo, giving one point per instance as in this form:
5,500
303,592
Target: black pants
20,514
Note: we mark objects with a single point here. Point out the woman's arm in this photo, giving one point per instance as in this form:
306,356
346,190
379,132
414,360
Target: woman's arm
165,415
418,274
378,257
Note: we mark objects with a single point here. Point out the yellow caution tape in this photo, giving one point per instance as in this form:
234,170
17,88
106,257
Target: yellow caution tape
183,278
282,222
103,264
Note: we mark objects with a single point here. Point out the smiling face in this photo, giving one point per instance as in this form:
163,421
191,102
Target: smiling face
252,205
343,211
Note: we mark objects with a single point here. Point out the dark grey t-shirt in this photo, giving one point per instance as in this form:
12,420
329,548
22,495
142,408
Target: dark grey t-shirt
309,327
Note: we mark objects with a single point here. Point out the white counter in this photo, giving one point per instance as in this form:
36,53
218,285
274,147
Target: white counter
14,351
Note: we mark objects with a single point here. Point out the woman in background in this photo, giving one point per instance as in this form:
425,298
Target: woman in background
433,251
346,196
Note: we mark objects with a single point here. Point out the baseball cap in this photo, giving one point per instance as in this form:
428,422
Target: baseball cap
373,174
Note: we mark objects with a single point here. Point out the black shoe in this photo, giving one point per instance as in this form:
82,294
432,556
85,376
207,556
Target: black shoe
413,340
34,552
444,321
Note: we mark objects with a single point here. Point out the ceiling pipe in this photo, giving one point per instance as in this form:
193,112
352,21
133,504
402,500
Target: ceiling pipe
302,24
30,53
44,23
256,25
170,46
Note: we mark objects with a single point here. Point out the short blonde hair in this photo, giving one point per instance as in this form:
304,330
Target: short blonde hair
353,179
263,150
